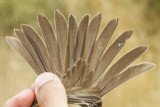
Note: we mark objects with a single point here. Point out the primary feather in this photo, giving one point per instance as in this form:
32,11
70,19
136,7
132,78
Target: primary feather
79,56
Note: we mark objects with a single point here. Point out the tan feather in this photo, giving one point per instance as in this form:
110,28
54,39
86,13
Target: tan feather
72,35
129,73
61,30
51,42
110,53
84,80
101,43
29,47
36,41
71,42
15,43
123,62
80,37
74,71
90,37
77,71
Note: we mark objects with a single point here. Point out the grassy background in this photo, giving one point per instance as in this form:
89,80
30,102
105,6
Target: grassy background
141,15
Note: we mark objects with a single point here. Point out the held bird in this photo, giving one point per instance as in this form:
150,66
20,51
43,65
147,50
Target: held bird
79,56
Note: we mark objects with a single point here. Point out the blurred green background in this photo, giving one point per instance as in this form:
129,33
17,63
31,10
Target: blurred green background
141,15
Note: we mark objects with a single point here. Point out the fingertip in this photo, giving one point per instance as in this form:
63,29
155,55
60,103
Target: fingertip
44,78
32,87
23,99
50,91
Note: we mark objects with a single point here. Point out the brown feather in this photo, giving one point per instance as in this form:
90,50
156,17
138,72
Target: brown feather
110,53
61,30
15,43
129,73
101,43
123,62
81,33
36,41
51,42
90,37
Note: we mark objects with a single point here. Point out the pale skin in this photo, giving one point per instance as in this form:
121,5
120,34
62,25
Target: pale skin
48,90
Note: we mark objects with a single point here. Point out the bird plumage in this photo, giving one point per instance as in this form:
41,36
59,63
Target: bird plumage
78,56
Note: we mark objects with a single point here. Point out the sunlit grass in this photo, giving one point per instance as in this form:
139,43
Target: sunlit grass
142,91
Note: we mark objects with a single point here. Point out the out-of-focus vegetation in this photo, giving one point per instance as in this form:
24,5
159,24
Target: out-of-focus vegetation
152,4
141,15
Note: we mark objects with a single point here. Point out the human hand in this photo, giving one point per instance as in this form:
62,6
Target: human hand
48,90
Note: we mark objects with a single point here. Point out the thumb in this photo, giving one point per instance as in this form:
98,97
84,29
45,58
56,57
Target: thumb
49,91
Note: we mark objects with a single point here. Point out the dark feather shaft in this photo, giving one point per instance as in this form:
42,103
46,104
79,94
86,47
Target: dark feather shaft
129,73
36,41
101,43
110,53
123,62
51,42
23,51
28,47
61,30
90,37
81,33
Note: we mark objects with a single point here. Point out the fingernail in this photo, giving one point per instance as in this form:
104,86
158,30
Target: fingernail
43,78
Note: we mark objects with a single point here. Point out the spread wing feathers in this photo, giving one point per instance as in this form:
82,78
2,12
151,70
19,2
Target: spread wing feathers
38,45
129,73
110,53
51,42
71,42
77,72
61,30
85,82
16,44
81,33
123,62
101,43
90,37
76,55
26,43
